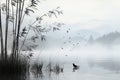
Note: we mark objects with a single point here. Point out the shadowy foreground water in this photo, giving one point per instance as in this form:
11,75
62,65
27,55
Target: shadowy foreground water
68,74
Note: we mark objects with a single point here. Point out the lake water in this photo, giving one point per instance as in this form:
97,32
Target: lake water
83,73
99,64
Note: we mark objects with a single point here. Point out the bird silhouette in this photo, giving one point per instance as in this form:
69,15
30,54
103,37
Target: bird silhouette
75,67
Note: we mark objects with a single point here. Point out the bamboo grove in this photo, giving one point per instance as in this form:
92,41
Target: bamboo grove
15,12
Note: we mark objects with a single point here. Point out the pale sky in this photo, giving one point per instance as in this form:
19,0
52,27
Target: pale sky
99,15
90,14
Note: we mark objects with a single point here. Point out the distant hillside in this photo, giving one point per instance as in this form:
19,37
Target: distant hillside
88,33
111,38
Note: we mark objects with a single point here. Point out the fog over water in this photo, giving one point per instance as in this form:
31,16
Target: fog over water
89,38
96,62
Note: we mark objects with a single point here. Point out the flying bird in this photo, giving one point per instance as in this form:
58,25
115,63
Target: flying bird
64,42
61,48
66,55
31,54
69,37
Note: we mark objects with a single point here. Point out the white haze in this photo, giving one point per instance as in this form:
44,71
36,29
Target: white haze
96,62
79,54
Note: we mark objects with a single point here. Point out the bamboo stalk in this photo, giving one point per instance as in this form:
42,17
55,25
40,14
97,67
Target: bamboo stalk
1,34
18,29
6,31
16,23
13,29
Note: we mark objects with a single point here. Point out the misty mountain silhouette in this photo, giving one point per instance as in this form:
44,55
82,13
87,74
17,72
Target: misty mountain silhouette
107,39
